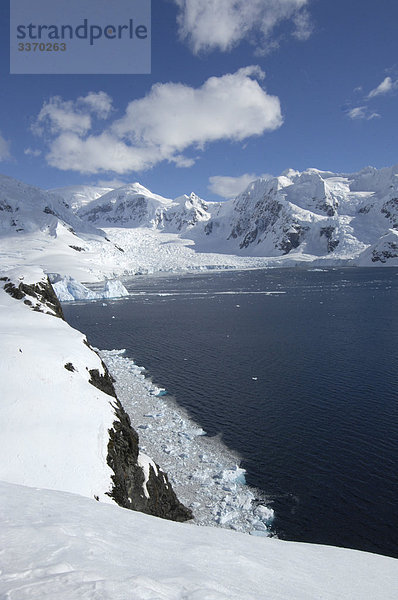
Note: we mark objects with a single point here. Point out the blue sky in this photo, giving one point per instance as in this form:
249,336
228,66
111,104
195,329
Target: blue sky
237,90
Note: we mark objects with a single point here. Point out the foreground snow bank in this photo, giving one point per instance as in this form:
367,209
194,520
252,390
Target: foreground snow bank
67,547
61,425
50,438
69,289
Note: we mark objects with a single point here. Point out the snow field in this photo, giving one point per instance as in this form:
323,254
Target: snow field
65,547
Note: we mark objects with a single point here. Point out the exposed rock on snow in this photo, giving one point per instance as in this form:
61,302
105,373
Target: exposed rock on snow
385,251
58,431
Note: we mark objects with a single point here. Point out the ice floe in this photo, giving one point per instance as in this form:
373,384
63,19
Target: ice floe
205,474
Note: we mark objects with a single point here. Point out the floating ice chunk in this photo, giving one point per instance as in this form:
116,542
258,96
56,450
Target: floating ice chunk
227,517
68,289
265,513
113,289
161,392
233,475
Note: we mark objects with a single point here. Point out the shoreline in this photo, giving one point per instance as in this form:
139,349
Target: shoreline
204,473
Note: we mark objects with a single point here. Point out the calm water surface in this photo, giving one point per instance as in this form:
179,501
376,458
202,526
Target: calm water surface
302,383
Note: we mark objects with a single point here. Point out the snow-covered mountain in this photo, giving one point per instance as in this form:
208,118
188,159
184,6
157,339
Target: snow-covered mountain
134,206
310,217
316,214
26,209
311,213
77,196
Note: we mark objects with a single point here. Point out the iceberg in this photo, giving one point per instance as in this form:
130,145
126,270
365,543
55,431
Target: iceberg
69,289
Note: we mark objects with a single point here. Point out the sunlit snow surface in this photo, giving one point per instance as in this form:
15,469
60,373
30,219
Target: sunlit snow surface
204,473
61,546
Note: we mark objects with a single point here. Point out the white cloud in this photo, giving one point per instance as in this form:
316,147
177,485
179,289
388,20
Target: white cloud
171,118
99,103
222,24
362,112
386,86
110,183
59,115
303,26
4,149
32,152
174,116
230,187
96,153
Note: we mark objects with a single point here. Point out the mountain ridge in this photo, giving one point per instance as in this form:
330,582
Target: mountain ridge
297,217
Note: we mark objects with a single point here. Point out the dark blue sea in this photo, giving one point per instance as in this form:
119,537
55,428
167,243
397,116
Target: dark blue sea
302,383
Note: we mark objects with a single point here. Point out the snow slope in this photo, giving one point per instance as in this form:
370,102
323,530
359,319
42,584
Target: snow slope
48,438
61,425
71,548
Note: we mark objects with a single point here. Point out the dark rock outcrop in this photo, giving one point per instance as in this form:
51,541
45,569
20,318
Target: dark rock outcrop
129,479
40,294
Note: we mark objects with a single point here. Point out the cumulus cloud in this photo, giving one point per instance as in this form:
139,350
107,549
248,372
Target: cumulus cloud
4,148
174,116
58,115
230,187
170,119
362,112
222,24
386,86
